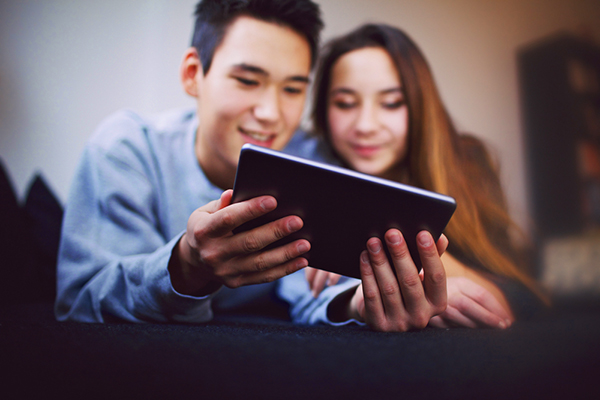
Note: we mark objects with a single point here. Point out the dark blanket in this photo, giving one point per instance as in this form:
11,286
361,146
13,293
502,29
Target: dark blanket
554,357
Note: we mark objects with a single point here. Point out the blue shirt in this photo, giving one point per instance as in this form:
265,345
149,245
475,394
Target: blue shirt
136,185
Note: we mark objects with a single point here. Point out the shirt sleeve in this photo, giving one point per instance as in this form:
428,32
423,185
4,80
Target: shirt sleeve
113,256
306,309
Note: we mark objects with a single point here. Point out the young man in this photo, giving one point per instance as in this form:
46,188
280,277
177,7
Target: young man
126,253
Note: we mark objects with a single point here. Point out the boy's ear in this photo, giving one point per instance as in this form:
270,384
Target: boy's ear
190,71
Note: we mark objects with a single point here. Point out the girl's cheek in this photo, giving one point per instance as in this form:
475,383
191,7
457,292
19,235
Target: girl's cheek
339,123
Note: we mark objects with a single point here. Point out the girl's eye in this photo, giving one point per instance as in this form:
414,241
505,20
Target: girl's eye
393,105
343,105
246,82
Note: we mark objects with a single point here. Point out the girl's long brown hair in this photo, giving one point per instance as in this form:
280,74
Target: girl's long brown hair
438,158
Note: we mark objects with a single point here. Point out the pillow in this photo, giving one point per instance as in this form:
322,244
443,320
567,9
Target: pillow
17,275
44,214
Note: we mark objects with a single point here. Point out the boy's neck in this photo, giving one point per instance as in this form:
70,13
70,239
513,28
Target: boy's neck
216,170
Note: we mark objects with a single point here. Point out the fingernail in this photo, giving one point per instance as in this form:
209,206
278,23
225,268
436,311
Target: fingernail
301,263
364,257
502,325
268,204
294,224
374,246
425,239
303,247
394,238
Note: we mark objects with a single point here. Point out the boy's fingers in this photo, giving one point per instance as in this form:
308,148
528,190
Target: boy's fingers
409,281
228,218
442,244
272,274
374,312
386,280
269,259
256,239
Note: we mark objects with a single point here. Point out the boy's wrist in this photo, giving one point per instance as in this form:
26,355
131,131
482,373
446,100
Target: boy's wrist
340,308
186,278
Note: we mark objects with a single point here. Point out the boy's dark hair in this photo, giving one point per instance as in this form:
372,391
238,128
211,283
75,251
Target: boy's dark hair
214,16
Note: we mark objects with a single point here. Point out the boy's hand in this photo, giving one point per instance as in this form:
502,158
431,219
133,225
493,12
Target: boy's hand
409,301
210,255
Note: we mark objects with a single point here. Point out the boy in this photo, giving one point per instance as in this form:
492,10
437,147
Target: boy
125,252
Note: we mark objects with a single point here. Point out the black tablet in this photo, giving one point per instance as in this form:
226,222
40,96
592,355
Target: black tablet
341,209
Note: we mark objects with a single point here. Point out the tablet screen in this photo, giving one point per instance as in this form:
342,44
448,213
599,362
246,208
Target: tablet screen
341,209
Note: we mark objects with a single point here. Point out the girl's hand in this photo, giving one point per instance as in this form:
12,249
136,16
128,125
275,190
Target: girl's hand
318,279
471,305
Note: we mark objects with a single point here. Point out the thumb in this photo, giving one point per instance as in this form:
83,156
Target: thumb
225,199
217,205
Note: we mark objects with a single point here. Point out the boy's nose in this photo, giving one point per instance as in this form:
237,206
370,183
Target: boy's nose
267,108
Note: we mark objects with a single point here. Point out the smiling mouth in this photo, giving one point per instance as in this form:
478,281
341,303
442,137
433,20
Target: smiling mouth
260,138
364,150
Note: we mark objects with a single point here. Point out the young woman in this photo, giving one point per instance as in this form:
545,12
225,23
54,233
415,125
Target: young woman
377,107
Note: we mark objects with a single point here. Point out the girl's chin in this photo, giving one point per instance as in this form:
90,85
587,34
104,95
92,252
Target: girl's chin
367,169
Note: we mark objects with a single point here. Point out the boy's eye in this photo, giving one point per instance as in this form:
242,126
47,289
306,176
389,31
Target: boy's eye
246,82
292,90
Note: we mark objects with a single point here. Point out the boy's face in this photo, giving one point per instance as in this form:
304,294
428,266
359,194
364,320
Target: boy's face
254,92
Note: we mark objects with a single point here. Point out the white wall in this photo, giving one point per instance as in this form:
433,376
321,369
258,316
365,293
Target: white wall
66,64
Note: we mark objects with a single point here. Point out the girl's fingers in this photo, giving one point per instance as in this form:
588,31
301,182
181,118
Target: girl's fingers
438,322
310,273
454,317
483,297
319,282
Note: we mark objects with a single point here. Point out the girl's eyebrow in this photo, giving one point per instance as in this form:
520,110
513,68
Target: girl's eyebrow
350,91
393,90
342,90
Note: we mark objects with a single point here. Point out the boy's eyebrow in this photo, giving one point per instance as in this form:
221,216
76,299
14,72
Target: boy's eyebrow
250,68
258,70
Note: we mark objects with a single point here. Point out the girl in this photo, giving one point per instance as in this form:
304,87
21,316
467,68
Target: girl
377,107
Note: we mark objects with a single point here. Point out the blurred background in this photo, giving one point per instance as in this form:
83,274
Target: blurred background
65,65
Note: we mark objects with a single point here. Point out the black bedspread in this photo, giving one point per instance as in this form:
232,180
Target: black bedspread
556,356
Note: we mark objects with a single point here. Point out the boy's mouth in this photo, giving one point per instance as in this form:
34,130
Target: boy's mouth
258,138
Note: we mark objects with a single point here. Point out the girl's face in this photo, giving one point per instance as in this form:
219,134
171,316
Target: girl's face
367,112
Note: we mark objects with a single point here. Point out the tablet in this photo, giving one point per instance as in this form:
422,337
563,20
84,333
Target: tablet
341,209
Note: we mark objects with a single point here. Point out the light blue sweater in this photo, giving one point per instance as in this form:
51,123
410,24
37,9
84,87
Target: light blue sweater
136,185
